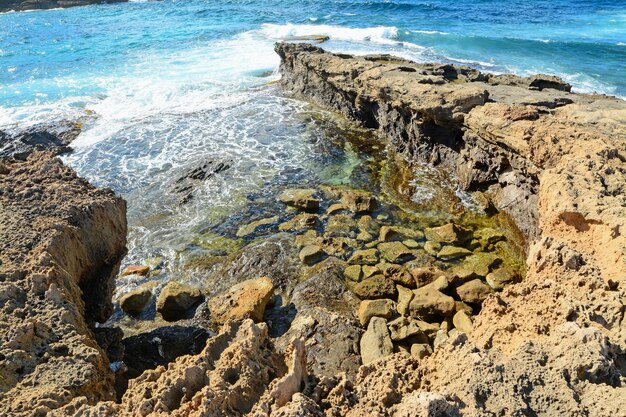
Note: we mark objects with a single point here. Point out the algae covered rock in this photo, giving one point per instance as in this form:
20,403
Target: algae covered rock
302,198
453,252
252,227
246,300
364,257
311,254
301,222
375,287
358,201
176,300
395,252
353,273
501,277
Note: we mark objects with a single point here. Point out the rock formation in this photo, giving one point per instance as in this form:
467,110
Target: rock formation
556,161
61,243
21,5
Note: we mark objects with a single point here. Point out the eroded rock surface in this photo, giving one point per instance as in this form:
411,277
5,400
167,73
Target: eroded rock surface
61,243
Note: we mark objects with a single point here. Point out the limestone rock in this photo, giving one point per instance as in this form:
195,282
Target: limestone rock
449,234
432,248
428,301
405,295
501,277
307,238
176,300
375,287
311,254
135,301
421,350
375,342
375,308
252,227
398,274
476,265
474,291
341,225
358,201
246,300
370,271
453,252
404,328
426,274
303,221
462,322
364,257
300,198
136,270
353,273
395,252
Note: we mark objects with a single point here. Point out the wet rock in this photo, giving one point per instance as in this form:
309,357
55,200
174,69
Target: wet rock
395,252
428,301
252,227
188,181
135,301
448,253
54,137
398,274
311,254
302,199
370,271
541,81
353,273
21,5
488,237
501,277
450,234
474,291
462,322
301,222
341,225
391,233
136,270
176,301
421,351
307,238
375,308
367,224
375,342
364,257
375,287
476,265
405,295
364,236
432,248
337,208
411,243
246,300
357,201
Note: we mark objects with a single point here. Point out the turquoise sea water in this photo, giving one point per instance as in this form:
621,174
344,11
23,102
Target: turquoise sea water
175,83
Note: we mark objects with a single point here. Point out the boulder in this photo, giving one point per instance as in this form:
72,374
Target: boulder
424,275
353,273
341,225
375,308
432,248
358,201
476,265
364,257
405,295
307,238
375,287
252,227
311,254
421,351
370,271
368,225
462,322
395,252
303,221
474,291
398,274
337,208
448,234
375,342
246,300
302,199
390,233
404,328
501,277
135,301
176,300
141,270
428,301
448,253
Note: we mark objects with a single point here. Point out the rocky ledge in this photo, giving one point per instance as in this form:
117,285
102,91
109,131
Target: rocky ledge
21,5
61,244
556,161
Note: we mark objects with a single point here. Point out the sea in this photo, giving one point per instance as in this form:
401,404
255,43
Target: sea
166,87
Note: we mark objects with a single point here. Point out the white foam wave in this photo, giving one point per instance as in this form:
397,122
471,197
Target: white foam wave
379,34
430,32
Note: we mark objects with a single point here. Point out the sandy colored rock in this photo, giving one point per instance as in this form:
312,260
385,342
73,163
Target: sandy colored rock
300,198
421,350
404,328
375,287
358,201
141,270
135,301
462,322
252,227
501,277
364,257
474,291
398,274
375,342
395,252
301,222
405,295
453,252
449,234
353,273
246,300
311,254
428,302
426,274
375,308
176,300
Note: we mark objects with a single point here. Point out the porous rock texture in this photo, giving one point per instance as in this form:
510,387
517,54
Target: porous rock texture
555,343
61,244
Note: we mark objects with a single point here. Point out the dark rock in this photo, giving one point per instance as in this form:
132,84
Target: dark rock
21,5
55,137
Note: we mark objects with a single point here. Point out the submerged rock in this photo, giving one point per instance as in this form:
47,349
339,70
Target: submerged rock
395,252
301,222
302,199
448,234
364,257
252,227
141,270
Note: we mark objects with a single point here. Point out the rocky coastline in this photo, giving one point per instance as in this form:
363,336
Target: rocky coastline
23,5
341,304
